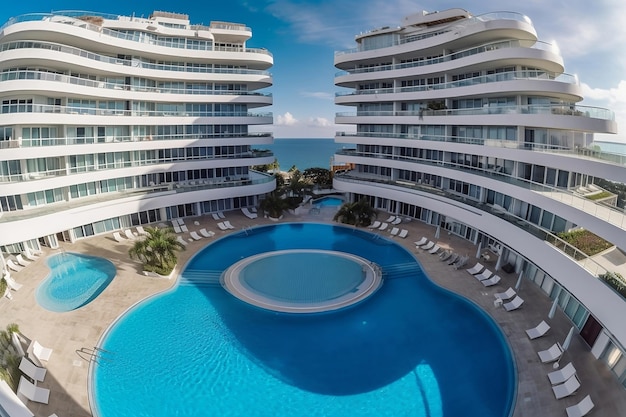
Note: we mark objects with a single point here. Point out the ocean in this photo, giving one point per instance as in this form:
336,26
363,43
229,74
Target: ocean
304,153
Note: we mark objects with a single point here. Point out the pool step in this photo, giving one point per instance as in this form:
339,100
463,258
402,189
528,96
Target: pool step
403,270
200,278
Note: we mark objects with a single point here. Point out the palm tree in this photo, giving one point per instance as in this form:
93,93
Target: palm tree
273,204
157,250
359,213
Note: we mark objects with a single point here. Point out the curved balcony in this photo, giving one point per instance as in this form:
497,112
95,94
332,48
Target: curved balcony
62,79
611,215
489,47
97,166
70,19
98,58
481,19
555,109
594,268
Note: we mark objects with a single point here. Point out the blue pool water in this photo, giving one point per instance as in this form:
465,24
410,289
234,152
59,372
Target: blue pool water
411,349
74,280
328,202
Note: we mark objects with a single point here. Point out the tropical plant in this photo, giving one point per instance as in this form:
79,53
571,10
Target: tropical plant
615,280
319,176
298,185
157,250
273,204
9,361
3,286
585,241
358,213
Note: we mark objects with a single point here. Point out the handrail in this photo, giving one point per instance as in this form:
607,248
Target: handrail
186,42
153,191
556,109
93,111
578,152
484,79
456,27
588,263
65,141
610,214
11,75
56,47
487,47
97,166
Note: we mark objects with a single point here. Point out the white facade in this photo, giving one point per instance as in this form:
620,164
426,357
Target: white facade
112,121
470,123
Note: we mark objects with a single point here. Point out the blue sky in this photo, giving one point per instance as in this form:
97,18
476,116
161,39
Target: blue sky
303,36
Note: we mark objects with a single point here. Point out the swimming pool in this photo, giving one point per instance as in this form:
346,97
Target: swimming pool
411,349
74,280
328,202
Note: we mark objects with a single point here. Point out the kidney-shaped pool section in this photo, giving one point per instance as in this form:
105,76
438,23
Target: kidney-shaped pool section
74,281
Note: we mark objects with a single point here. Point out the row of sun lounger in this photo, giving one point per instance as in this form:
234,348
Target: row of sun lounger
31,366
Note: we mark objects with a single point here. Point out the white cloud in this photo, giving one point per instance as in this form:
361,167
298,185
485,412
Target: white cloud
286,119
318,94
319,122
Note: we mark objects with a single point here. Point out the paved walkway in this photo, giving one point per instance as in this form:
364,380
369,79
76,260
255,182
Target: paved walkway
73,333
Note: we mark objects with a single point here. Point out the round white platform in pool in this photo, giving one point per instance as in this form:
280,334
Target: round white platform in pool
302,281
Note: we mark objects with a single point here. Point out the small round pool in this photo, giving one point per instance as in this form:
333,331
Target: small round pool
328,202
302,281
74,281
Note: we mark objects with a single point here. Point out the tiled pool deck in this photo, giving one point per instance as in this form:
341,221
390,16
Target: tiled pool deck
73,333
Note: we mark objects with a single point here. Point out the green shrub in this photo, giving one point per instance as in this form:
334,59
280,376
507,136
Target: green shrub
585,241
616,281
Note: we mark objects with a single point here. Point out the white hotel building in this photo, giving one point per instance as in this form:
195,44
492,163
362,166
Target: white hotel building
111,121
470,123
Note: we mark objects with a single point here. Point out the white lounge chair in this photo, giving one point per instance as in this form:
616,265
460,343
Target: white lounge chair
374,225
13,405
403,233
40,352
31,370
248,213
221,215
15,286
552,354
434,250
129,234
514,304
428,246
421,242
176,227
491,281
486,274
182,241
581,409
228,225
461,262
222,226
567,388
394,231
562,375
206,233
141,231
538,331
383,226
390,219
118,237
195,236
21,260
7,294
183,227
508,294
215,216
475,269
29,256
453,258
397,220
32,392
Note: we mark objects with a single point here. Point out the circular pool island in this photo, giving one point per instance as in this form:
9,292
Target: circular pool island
302,280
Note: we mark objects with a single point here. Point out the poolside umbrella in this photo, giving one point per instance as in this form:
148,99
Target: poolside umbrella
568,339
480,248
438,232
519,280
